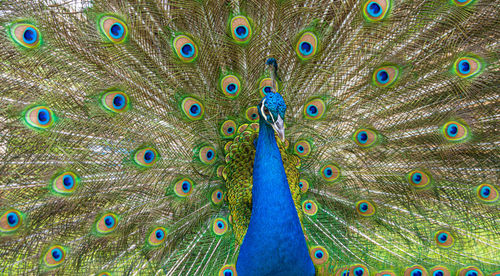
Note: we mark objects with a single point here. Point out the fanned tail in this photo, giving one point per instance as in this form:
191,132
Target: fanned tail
116,118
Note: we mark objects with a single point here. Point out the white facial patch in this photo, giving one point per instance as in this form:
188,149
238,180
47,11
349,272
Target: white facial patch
262,109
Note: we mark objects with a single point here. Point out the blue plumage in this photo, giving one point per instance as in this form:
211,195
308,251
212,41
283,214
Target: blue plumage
274,243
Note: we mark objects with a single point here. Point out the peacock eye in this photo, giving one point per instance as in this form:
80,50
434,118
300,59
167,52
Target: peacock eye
307,46
39,117
54,256
439,271
114,29
455,131
10,221
359,270
230,86
185,48
65,183
157,236
487,193
416,270
443,238
146,157
106,224
467,67
365,208
220,226
376,10
266,87
183,187
318,254
227,270
26,35
115,101
241,29
266,110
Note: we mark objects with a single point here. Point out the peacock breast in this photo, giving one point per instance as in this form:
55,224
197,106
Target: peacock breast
238,171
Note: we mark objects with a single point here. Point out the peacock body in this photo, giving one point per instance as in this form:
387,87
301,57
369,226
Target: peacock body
159,137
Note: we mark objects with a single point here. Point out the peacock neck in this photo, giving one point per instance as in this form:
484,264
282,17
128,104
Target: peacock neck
270,184
274,242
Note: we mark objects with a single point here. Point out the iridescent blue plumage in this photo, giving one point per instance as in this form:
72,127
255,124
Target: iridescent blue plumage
274,243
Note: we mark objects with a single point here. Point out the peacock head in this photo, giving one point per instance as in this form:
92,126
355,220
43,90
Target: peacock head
272,110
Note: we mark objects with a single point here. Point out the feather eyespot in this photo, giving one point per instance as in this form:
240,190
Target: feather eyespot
343,271
193,108
318,254
419,179
416,270
26,35
375,10
185,48
54,256
115,101
386,273
228,129
227,270
266,86
462,3
65,183
455,131
303,185
231,86
358,270
252,114
114,29
157,236
11,221
309,207
365,137
314,109
104,274
39,117
470,271
307,46
466,67
439,271
241,30
207,155
330,172
146,157
365,208
302,148
183,187
220,226
106,224
385,76
487,193
217,196
444,239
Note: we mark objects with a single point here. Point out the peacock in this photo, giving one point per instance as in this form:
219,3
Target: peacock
249,137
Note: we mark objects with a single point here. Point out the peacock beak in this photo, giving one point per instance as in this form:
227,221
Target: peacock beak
279,127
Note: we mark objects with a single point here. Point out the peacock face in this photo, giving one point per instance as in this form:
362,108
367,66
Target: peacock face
272,109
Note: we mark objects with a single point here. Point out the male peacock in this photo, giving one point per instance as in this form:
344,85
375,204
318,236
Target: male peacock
150,137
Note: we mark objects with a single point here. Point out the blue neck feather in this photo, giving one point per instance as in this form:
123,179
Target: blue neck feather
274,243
